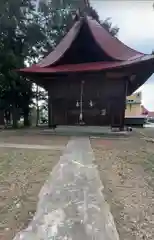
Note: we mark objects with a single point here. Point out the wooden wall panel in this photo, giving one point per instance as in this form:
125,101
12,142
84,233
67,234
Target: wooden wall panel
106,94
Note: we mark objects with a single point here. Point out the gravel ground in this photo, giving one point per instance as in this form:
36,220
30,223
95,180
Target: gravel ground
31,136
126,169
22,174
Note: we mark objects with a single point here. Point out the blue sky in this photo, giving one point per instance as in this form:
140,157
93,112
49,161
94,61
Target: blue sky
136,22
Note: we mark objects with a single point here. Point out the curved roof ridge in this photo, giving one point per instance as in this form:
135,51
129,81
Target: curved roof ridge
62,47
111,45
93,66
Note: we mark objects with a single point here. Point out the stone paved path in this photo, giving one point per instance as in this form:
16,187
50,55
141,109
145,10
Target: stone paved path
71,204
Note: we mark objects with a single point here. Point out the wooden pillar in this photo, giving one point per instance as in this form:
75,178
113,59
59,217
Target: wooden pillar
124,105
122,123
50,112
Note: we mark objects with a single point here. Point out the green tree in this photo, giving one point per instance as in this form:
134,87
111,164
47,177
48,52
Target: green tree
21,40
107,23
57,18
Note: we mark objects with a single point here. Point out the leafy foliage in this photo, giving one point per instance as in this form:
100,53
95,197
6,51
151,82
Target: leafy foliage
107,24
57,17
21,39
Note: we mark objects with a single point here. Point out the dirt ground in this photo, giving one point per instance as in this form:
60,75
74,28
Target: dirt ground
126,167
33,136
22,174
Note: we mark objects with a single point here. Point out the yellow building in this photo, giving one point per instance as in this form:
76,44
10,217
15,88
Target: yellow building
133,105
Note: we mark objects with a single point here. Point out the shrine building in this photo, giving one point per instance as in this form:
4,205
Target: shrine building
89,75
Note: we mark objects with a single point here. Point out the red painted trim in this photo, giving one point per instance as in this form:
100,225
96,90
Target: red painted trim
99,66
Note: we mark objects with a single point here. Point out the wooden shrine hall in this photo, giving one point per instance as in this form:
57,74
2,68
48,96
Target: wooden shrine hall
88,76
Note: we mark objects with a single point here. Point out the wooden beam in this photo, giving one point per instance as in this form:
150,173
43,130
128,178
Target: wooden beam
116,74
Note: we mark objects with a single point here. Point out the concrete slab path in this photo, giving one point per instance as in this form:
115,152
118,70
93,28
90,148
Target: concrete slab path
71,203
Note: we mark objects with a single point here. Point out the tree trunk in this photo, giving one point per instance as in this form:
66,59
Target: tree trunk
50,112
15,116
37,107
2,123
26,117
37,116
7,117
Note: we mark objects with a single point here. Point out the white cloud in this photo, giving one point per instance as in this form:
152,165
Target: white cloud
136,22
147,96
134,18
